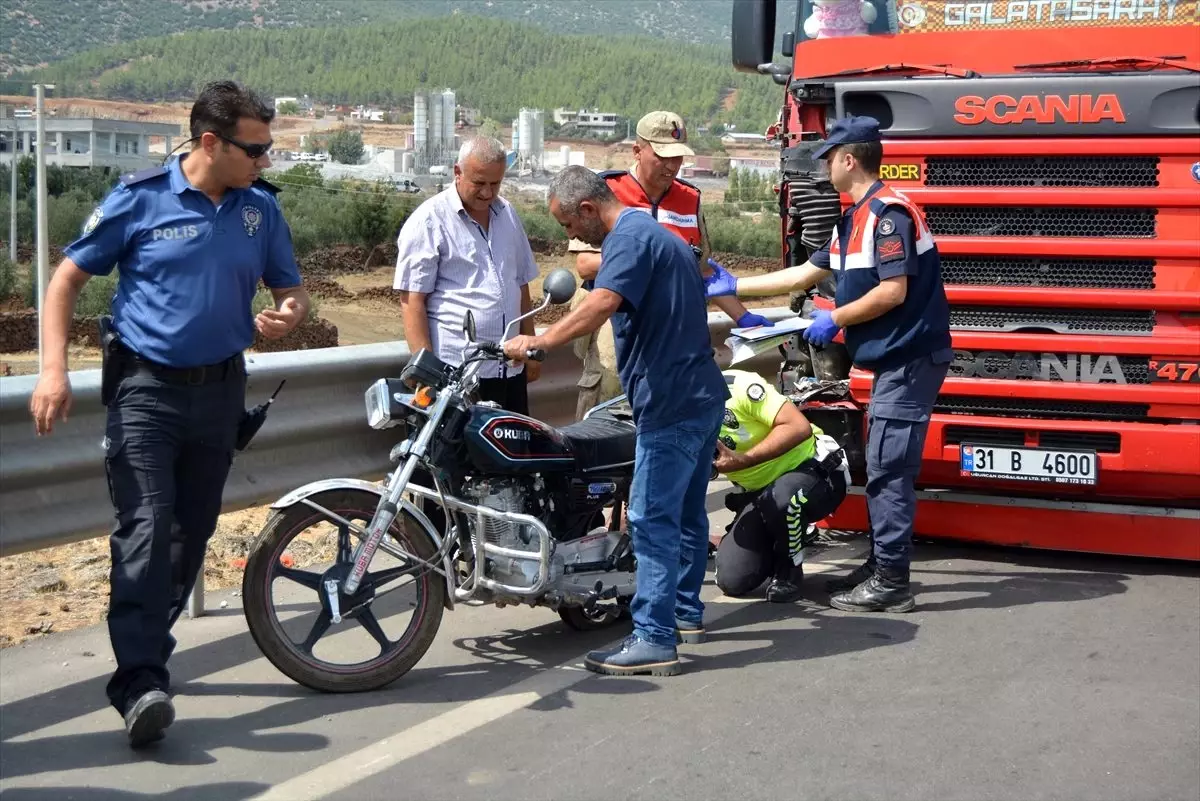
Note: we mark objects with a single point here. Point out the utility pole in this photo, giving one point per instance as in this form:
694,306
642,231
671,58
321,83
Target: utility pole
43,225
10,113
12,194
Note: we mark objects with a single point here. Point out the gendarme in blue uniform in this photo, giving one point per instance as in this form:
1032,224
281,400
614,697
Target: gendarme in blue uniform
188,269
884,236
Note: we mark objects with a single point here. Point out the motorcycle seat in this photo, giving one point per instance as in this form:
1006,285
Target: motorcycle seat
601,441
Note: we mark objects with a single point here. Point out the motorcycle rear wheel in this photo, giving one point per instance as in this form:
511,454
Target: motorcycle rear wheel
281,528
580,620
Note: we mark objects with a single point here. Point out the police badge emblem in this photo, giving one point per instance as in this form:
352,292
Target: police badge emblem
93,220
729,419
886,227
251,219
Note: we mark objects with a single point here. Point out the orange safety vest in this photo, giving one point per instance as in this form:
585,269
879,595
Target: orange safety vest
678,210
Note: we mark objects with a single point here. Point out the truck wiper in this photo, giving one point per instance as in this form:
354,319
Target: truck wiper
1120,62
886,69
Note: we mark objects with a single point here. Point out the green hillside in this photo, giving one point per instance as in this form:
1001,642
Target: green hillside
39,31
493,65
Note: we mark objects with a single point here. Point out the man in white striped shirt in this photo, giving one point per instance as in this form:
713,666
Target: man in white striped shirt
465,249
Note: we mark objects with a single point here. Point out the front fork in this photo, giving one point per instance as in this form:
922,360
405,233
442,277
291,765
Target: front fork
385,512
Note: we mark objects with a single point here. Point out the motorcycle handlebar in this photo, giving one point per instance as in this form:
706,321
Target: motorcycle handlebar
492,349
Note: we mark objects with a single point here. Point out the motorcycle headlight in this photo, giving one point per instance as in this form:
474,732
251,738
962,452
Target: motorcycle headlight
388,404
379,406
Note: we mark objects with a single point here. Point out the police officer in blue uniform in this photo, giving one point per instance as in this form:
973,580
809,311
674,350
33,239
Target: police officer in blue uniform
190,241
893,308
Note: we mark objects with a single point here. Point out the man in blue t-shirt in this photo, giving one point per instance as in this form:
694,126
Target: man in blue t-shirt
648,284
190,241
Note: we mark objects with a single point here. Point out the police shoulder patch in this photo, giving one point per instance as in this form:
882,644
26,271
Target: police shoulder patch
886,227
889,248
93,220
756,392
729,419
129,179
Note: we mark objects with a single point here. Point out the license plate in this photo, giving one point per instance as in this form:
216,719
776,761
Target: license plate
1029,464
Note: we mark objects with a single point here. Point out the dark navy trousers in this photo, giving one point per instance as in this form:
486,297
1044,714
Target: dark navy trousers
902,400
168,449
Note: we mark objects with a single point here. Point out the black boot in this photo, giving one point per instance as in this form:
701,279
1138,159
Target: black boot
858,576
785,586
885,591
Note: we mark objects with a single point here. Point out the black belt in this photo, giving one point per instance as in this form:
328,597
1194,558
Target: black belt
189,376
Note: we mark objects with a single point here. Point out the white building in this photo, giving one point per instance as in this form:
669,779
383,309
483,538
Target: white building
367,114
600,122
743,139
89,142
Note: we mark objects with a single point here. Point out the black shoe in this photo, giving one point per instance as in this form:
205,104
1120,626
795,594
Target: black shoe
147,717
783,591
885,591
858,576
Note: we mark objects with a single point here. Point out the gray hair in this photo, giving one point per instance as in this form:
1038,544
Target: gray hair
484,149
576,184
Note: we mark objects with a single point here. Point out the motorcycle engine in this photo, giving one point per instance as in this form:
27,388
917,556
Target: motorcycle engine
504,495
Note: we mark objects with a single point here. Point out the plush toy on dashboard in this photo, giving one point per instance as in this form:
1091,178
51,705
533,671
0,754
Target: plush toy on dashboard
832,18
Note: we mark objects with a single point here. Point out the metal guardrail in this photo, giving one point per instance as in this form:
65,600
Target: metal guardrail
53,490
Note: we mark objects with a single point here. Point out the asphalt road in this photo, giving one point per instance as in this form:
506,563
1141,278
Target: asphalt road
1020,676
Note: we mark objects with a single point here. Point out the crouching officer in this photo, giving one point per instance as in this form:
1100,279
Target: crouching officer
190,242
892,305
792,474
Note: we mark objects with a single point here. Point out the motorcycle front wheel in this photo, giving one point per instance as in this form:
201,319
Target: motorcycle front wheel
297,552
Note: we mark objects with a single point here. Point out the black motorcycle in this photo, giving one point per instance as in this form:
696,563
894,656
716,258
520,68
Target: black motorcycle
523,504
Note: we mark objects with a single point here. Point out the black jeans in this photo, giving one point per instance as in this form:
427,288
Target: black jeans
772,527
168,450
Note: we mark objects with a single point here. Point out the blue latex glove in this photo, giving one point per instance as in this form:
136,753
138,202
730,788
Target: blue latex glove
720,283
823,328
750,320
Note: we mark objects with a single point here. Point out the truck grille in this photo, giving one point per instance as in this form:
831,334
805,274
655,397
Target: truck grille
1091,171
1031,407
1041,367
1038,272
1062,321
1101,441
1047,221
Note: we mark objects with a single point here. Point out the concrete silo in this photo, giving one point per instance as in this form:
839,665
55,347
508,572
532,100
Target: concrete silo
421,129
530,142
449,123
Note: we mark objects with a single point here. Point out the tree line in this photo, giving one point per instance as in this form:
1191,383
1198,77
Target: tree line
494,65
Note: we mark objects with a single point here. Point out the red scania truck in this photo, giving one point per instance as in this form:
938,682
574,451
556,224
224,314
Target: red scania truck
1054,147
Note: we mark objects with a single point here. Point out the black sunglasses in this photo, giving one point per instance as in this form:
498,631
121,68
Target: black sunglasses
253,151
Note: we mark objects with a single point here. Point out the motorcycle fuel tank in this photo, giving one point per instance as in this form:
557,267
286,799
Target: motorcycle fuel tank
504,442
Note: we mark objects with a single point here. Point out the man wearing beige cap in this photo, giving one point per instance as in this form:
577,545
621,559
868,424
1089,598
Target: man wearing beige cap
650,184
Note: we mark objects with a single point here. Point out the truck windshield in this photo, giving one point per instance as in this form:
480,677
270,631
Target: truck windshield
824,19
